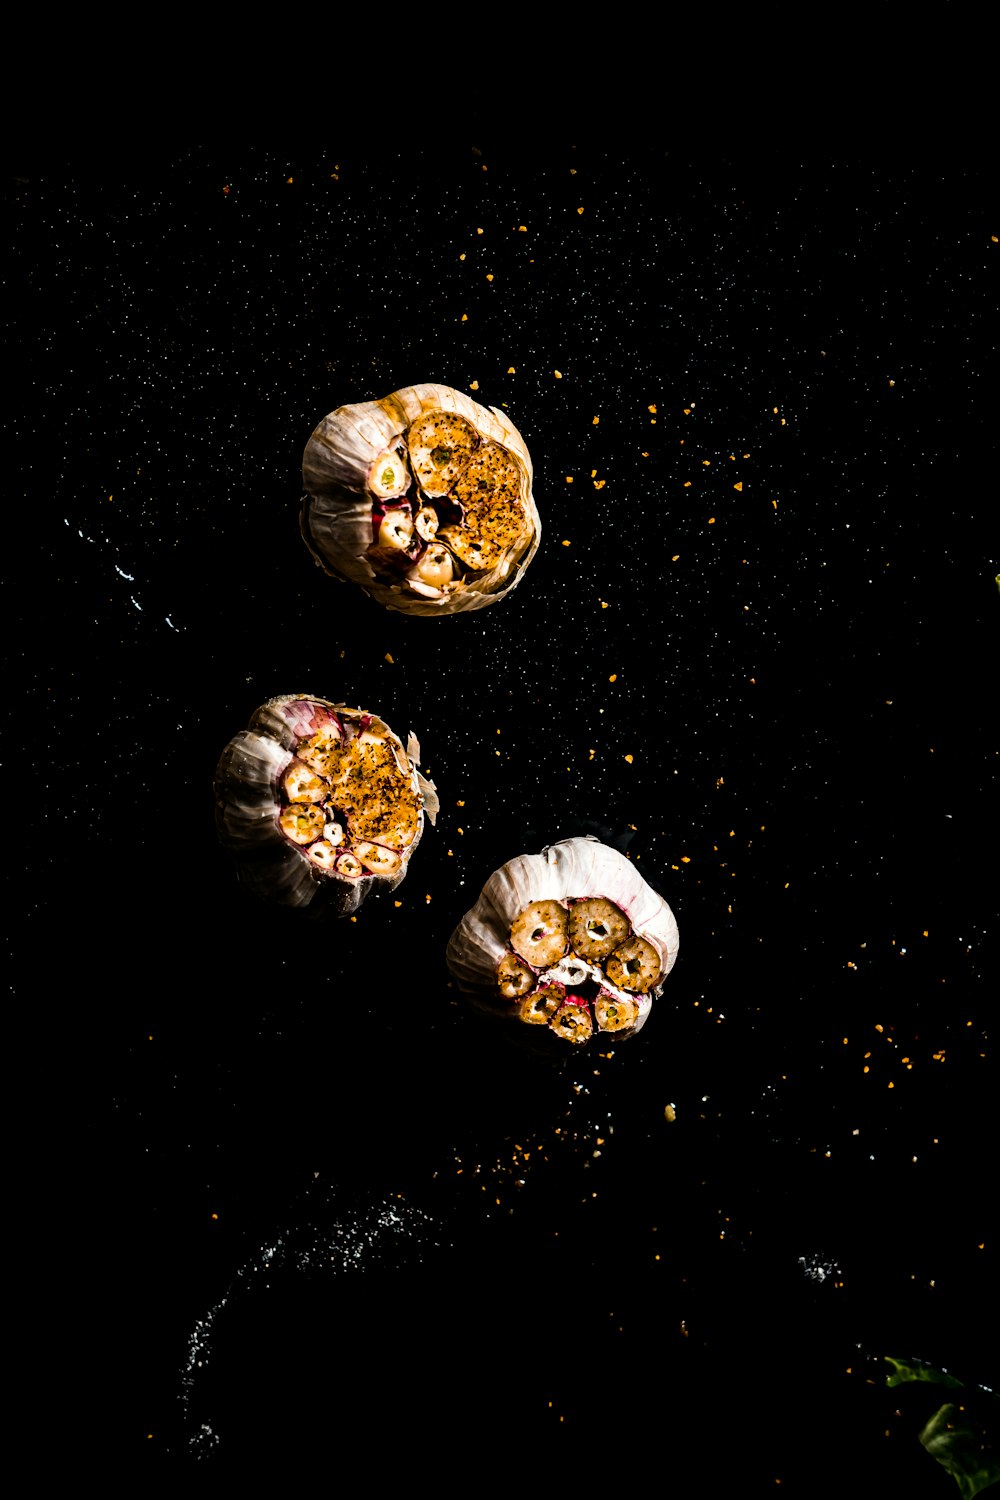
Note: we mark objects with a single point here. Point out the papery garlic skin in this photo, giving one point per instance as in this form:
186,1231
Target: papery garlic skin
463,476
320,804
517,910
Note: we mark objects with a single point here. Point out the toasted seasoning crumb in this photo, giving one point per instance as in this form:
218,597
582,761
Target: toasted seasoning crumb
595,422
489,275
565,543
670,1114
465,317
557,374
738,486
511,370
474,386
711,520
613,677
629,759
388,657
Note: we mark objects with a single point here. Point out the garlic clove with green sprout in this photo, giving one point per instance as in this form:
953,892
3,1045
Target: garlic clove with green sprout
423,499
572,940
389,475
320,804
441,443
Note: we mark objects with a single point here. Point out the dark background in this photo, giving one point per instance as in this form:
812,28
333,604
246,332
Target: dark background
297,1202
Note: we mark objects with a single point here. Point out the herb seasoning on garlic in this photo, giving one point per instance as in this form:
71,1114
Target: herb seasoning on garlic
320,804
572,940
423,499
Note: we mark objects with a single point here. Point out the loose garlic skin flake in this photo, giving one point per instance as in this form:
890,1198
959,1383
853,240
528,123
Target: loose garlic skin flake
572,940
423,499
320,804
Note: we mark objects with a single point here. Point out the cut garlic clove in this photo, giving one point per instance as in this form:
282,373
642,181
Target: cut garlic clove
377,858
426,523
573,971
614,1012
395,530
494,518
573,1023
538,933
321,751
634,966
301,822
323,855
389,475
473,550
539,1008
441,444
302,784
596,927
514,977
320,804
436,568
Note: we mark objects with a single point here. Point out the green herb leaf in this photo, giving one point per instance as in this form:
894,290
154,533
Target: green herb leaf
905,1370
960,1445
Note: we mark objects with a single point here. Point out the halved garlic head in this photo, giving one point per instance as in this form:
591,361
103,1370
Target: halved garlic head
320,803
572,940
423,498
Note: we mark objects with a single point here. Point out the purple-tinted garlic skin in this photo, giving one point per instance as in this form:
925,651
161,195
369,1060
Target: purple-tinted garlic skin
314,875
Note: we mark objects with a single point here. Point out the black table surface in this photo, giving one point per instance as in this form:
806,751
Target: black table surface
305,1205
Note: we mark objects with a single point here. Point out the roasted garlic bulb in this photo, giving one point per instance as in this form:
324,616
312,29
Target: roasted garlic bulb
423,498
572,939
320,803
